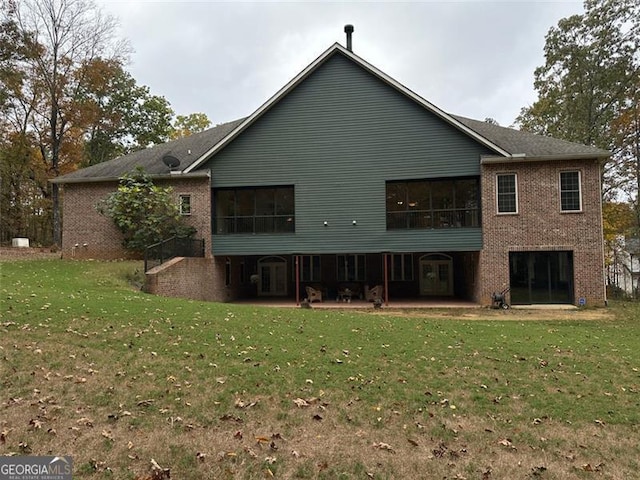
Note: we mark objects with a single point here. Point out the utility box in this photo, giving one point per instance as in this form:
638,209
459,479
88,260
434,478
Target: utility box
20,242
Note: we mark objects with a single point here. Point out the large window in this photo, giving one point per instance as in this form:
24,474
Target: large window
401,266
507,193
433,204
570,198
351,268
254,210
310,268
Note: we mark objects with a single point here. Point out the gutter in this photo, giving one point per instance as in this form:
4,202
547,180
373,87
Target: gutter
522,157
159,176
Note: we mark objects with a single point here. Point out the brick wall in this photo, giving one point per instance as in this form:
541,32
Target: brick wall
539,225
88,234
194,278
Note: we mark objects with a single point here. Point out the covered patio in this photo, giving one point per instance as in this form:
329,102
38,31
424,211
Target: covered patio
417,280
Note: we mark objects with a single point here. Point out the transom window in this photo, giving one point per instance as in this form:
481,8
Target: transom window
433,204
507,193
254,210
570,197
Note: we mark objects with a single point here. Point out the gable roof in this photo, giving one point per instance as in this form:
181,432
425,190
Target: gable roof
195,150
336,48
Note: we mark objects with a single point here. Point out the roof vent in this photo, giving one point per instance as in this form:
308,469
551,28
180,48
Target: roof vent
348,29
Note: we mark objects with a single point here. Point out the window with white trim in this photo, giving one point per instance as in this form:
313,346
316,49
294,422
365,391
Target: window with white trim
310,268
507,192
184,201
570,191
401,267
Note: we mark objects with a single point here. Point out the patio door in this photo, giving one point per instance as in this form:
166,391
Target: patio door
436,275
272,272
541,277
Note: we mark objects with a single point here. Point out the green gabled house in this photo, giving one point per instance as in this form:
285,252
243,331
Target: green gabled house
345,180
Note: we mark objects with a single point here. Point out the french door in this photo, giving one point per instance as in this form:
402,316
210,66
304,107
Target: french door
273,277
436,275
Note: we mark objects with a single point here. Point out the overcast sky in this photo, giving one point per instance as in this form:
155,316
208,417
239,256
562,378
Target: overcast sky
471,58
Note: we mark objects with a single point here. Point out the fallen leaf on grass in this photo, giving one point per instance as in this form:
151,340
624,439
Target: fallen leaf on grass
300,402
35,423
159,473
587,467
106,434
85,422
412,442
507,443
384,446
537,471
242,404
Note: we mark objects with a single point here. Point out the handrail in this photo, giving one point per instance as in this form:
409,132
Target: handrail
163,251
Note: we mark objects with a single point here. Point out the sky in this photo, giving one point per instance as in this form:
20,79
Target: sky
225,59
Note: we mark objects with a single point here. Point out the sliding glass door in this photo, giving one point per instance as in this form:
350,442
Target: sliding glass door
541,277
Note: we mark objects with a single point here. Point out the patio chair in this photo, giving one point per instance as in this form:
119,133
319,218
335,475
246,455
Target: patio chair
314,294
373,294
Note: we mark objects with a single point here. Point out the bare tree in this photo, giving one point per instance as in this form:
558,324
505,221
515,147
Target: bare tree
62,36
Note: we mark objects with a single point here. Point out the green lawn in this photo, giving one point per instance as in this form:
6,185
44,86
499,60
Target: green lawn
92,368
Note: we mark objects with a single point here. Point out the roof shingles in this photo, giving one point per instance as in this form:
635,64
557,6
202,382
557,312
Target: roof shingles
187,150
193,151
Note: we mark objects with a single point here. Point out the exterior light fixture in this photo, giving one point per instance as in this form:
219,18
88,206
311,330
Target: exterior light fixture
326,224
355,223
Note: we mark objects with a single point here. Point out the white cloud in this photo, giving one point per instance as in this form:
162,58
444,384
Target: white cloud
473,58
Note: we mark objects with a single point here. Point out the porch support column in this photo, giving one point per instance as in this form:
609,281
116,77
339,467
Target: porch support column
386,279
297,260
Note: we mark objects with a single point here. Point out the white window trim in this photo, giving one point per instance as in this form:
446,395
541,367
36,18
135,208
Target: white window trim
515,177
579,172
180,197
311,269
405,276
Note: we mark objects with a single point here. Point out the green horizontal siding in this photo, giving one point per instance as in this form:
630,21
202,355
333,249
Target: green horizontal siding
338,137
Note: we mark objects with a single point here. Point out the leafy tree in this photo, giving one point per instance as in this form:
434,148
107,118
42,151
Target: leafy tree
185,125
590,76
626,129
60,36
145,213
119,115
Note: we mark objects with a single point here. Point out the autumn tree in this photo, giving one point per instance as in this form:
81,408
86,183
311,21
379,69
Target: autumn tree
119,115
61,36
185,125
589,79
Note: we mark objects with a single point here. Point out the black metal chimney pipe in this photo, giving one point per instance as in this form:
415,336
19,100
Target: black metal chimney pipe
348,29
